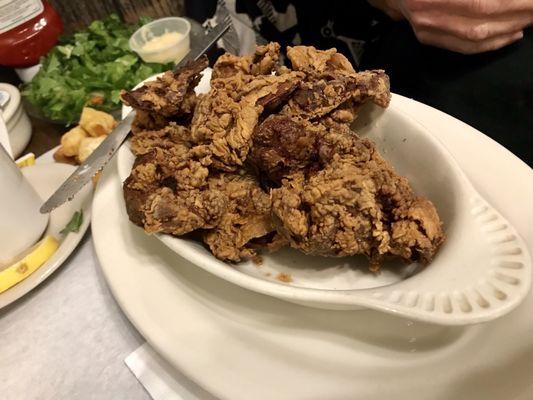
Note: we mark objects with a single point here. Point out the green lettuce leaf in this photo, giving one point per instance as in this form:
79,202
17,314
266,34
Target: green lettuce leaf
74,224
95,61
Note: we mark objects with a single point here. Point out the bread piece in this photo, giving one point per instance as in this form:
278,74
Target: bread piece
70,141
87,146
61,157
96,123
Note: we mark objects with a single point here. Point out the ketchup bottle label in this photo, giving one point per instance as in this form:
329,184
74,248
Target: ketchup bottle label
16,12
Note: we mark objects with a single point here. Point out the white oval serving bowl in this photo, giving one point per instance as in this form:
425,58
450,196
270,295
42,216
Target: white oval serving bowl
481,272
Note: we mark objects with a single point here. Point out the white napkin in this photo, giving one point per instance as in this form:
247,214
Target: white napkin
160,379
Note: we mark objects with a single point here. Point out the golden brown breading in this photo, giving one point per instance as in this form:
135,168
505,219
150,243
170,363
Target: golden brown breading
170,95
282,146
166,192
147,121
166,137
226,118
246,225
316,98
310,60
416,233
182,212
339,139
333,86
373,85
332,213
285,144
351,208
265,59
333,195
232,206
262,62
170,191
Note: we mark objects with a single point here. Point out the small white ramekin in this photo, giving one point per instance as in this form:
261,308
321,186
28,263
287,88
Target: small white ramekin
172,52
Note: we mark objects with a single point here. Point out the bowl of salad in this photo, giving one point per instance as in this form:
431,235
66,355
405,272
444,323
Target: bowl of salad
88,68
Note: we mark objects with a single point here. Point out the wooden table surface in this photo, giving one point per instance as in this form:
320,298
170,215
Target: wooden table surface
80,13
46,136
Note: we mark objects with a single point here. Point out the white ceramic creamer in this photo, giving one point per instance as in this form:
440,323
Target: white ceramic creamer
21,223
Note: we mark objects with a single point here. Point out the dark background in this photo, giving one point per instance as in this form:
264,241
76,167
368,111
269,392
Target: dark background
492,92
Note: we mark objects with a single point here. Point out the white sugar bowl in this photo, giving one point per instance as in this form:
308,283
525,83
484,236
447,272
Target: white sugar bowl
17,122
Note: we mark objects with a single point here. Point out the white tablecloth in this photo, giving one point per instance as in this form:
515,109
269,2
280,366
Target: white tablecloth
67,339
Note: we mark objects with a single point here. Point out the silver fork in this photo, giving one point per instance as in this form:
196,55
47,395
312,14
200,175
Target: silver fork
210,38
230,40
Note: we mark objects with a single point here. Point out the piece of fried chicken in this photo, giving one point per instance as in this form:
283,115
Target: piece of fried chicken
170,95
334,195
177,185
169,191
351,207
283,145
246,225
346,209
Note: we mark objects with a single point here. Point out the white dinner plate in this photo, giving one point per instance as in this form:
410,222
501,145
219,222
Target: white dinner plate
238,344
45,179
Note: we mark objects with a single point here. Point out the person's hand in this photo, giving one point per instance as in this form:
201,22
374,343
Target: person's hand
464,26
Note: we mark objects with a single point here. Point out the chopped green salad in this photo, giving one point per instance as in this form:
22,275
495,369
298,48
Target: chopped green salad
89,68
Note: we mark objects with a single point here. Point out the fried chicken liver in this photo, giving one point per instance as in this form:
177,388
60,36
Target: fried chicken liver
324,190
349,208
170,95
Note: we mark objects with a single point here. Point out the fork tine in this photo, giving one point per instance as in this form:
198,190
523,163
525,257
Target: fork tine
230,40
227,19
205,43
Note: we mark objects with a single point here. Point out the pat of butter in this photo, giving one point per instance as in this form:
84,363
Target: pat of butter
164,48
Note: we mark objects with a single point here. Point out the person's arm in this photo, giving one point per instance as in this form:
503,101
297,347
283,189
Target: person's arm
464,26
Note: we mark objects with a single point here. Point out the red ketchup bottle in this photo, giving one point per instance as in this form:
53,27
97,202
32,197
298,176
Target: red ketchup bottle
28,30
